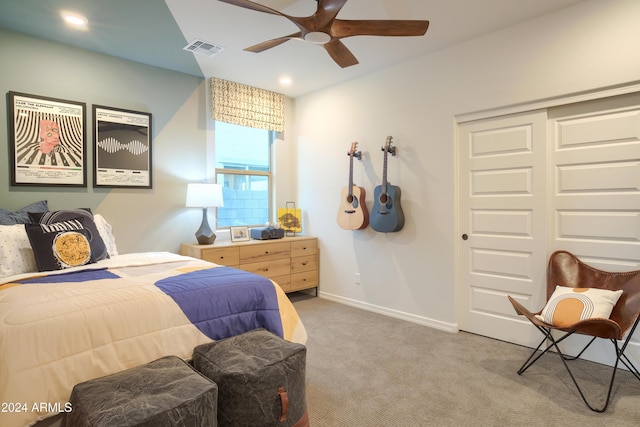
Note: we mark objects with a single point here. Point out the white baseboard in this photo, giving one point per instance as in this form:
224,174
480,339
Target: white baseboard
448,327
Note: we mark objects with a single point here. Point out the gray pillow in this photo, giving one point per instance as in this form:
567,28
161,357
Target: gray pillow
21,216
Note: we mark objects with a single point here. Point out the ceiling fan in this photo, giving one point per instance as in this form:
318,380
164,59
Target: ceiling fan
325,29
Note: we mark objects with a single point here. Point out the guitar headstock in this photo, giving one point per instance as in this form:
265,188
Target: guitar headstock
387,146
353,152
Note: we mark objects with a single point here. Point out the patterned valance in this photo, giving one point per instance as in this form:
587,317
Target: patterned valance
244,105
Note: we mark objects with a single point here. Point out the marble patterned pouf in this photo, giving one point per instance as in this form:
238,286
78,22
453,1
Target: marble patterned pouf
260,378
165,392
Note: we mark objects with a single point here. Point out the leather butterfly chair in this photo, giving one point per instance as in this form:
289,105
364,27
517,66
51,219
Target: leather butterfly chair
565,269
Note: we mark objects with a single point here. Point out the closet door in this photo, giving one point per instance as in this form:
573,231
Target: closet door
529,184
595,191
502,223
595,197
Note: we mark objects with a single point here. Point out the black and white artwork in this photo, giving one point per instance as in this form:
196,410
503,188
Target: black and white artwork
122,148
47,140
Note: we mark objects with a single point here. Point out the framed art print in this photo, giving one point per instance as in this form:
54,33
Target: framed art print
122,148
290,219
46,140
239,234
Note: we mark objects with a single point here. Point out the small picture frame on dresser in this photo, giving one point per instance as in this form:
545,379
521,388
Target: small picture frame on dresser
239,234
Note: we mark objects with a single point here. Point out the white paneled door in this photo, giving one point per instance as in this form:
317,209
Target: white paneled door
502,222
595,197
564,178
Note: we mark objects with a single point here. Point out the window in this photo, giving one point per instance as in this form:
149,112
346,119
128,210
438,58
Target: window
243,168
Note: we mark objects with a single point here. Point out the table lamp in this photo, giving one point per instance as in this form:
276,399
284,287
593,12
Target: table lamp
204,196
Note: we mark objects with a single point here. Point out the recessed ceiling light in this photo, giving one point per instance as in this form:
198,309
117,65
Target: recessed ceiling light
75,20
285,81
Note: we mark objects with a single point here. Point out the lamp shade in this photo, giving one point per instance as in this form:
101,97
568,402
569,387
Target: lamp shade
204,195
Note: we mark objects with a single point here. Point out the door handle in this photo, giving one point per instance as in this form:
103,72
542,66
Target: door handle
465,237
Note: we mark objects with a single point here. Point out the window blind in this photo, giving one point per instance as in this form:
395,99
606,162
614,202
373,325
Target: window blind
244,105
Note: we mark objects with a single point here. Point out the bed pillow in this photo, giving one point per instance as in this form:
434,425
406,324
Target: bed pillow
21,216
571,305
104,228
62,244
98,248
16,255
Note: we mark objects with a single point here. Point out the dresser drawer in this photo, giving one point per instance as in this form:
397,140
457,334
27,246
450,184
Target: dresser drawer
305,280
283,281
304,247
304,263
270,269
223,256
264,252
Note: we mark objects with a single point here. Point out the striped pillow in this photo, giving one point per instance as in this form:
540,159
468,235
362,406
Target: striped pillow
568,306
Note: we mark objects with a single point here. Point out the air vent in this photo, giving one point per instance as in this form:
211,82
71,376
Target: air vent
203,48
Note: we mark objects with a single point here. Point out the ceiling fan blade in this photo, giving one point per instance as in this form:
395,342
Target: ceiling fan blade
327,11
339,52
347,28
253,6
260,47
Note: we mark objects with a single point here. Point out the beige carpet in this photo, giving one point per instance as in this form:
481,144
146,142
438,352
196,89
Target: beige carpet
365,369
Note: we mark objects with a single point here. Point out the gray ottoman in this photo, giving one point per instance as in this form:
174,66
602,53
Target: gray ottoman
165,392
260,378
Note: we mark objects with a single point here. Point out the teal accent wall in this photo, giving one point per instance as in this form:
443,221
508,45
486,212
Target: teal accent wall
143,219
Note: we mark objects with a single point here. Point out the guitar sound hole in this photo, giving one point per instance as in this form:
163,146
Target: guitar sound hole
383,199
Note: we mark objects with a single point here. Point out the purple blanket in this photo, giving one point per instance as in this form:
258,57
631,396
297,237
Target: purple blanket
224,301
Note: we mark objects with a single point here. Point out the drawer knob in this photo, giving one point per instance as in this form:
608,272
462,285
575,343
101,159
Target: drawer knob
304,263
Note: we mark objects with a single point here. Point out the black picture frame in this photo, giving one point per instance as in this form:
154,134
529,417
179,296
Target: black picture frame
122,148
47,140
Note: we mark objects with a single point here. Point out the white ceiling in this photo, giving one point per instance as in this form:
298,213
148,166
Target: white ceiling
145,31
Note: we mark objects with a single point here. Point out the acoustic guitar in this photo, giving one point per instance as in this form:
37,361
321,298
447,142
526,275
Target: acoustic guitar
386,214
353,213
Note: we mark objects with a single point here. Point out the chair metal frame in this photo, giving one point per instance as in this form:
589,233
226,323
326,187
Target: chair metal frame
623,322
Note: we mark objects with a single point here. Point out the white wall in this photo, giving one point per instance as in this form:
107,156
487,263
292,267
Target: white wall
412,273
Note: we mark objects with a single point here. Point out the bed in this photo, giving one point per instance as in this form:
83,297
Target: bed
68,325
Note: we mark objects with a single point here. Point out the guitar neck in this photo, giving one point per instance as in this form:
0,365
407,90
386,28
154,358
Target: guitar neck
387,149
384,171
350,187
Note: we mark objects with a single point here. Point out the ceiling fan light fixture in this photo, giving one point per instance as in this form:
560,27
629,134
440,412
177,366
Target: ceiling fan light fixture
317,37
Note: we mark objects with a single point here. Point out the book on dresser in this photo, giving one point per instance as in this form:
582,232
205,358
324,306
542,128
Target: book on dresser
291,262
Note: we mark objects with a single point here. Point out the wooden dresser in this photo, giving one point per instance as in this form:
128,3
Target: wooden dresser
292,262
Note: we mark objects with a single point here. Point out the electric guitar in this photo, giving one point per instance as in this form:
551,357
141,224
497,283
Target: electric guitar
387,215
353,214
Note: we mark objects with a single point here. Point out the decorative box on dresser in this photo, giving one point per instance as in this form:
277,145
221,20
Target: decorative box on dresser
292,262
